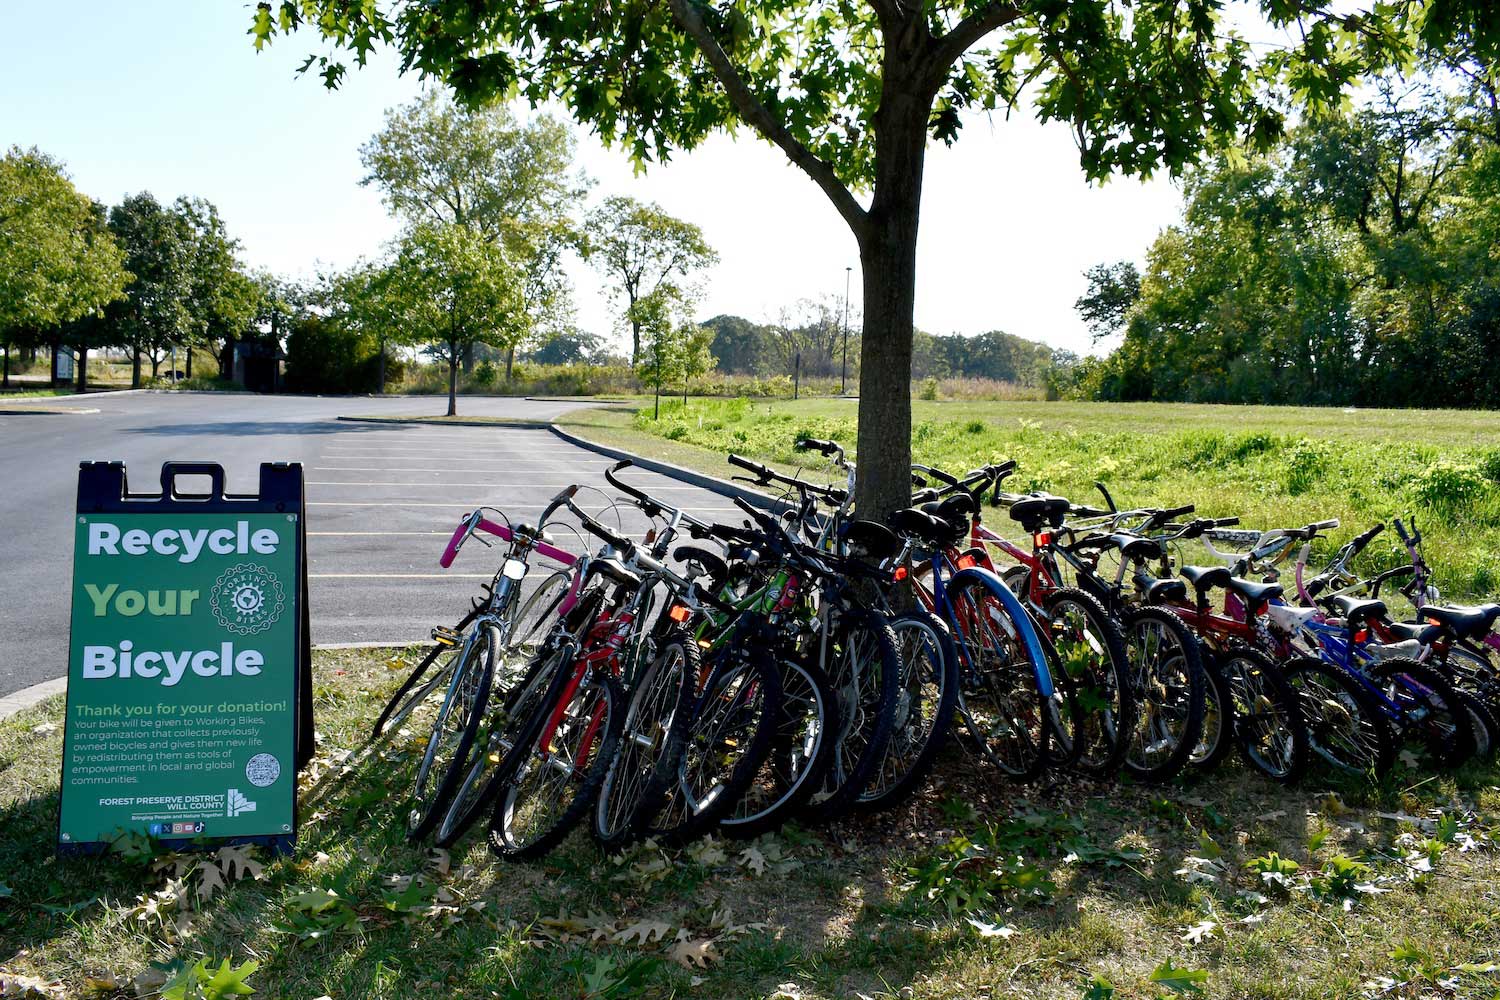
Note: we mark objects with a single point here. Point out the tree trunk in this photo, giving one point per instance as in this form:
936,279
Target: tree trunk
468,358
135,368
83,370
188,371
453,358
510,361
380,377
888,259
5,379
635,342
155,364
226,360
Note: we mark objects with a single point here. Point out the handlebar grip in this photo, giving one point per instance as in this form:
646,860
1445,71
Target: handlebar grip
1176,512
1317,526
446,559
609,475
763,472
1401,531
1365,538
816,444
1226,522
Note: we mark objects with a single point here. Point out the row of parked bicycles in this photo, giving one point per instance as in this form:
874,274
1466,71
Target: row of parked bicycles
804,664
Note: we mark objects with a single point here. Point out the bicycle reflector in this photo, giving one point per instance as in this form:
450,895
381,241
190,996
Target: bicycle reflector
900,574
1043,538
966,561
680,613
1361,637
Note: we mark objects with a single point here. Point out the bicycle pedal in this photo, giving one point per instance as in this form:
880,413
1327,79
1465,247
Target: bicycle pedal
444,636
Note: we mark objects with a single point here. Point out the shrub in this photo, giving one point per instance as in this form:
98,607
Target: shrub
1450,488
1307,464
323,355
485,374
929,388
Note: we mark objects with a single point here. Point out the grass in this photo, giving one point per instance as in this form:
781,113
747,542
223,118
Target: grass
1271,466
977,888
34,394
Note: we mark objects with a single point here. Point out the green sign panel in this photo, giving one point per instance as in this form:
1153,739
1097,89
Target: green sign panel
183,676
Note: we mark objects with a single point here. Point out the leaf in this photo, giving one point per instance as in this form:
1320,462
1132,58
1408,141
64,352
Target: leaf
1199,932
693,954
753,859
707,852
314,900
643,932
235,862
1178,980
1099,989
210,881
45,729
988,930
227,982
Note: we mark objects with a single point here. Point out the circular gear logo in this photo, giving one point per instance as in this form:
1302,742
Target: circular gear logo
247,598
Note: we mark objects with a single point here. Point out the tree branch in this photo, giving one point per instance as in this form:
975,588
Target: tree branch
948,49
758,116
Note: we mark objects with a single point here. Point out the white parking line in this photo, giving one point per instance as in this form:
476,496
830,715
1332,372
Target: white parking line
448,506
441,486
419,468
347,534
400,576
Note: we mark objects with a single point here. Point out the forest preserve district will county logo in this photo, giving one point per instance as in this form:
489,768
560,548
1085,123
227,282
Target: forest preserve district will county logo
247,598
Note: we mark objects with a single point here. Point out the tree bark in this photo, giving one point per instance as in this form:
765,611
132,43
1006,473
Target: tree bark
635,342
510,361
380,377
468,358
888,259
135,368
5,380
453,357
188,371
83,370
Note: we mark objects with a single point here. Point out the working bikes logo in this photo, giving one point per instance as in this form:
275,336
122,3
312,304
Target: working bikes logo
247,599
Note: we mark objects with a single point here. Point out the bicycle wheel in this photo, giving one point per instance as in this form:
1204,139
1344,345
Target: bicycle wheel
1170,688
802,751
1346,725
560,771
1482,723
1475,673
656,722
865,670
503,731
1000,700
410,694
730,734
1216,738
534,617
924,710
1091,652
1268,726
453,733
1430,713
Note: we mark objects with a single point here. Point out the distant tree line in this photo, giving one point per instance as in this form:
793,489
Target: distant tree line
141,276
1353,265
815,330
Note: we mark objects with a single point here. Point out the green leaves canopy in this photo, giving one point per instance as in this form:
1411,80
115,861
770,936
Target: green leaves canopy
58,263
448,285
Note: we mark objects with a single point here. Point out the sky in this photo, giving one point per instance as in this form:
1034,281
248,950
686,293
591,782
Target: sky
169,96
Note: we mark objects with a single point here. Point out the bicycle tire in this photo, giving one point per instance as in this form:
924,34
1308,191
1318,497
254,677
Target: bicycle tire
1482,723
474,795
866,712
1014,733
402,703
802,749
1269,731
469,693
1216,737
657,714
929,678
1187,707
1114,701
1443,727
741,697
534,617
582,768
1346,725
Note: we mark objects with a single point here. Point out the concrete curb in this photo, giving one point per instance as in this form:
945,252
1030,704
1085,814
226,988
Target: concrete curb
688,476
524,425
25,698
37,411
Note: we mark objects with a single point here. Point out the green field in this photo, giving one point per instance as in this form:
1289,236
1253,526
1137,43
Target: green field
978,888
1271,466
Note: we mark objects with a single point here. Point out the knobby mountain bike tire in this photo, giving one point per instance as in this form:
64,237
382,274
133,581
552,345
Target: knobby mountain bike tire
1090,648
1346,725
1269,730
1170,688
1431,715
925,707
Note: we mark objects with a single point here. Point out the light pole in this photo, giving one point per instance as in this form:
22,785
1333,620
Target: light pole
844,375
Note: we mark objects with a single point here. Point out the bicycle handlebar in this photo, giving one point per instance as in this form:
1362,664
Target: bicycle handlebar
817,444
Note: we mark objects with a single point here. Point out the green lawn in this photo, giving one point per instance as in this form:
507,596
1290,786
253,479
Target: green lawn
1271,466
978,888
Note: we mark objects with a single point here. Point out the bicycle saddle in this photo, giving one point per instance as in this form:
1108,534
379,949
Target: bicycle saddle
872,540
1420,631
715,568
1255,594
1161,591
1206,578
1466,622
1135,546
1039,509
913,523
1356,610
955,510
611,567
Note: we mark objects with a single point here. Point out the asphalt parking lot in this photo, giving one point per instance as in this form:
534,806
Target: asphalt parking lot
383,500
